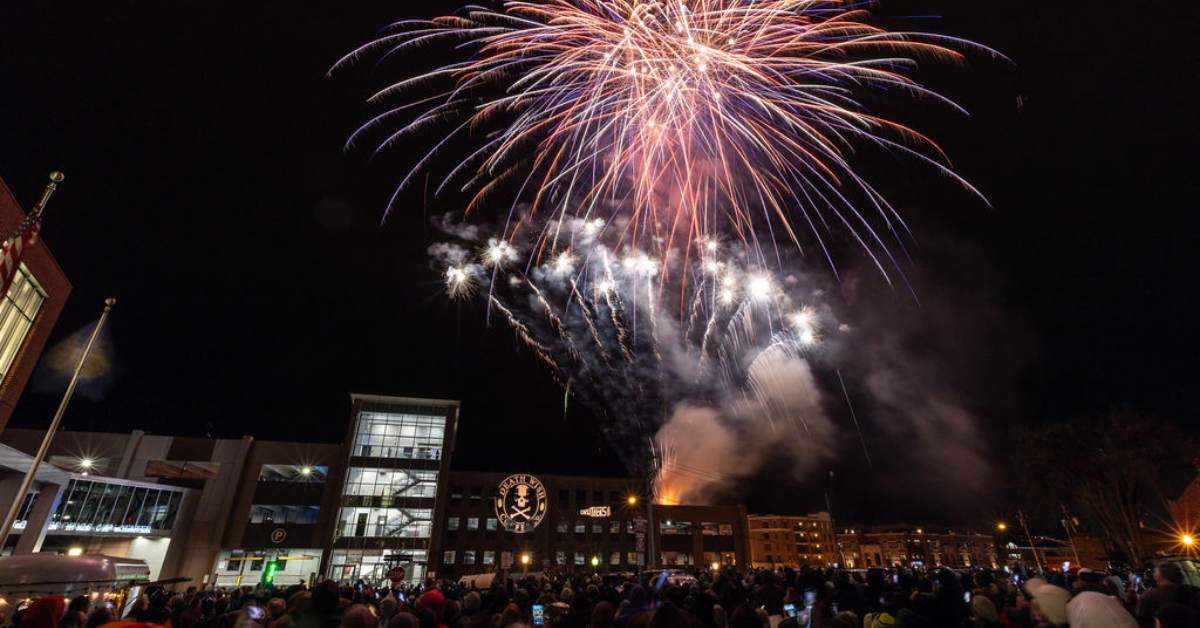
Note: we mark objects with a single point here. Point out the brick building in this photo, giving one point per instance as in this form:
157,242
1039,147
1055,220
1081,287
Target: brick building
791,540
903,545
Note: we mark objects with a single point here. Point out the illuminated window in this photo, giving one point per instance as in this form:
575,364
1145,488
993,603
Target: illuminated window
452,523
632,558
472,523
562,526
597,527
490,524
560,558
580,527
17,312
489,557
615,558
469,557
292,473
448,557
578,558
614,527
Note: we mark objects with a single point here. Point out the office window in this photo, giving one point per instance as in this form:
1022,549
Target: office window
614,558
269,513
632,558
452,523
292,473
17,313
562,526
709,528
560,558
448,557
597,527
614,527
578,558
473,523
394,435
469,557
726,529
580,527
491,524
489,557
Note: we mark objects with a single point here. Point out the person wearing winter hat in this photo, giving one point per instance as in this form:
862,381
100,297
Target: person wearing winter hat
1096,610
1049,602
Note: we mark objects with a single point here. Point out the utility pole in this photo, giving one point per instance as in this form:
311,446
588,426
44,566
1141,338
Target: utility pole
1032,546
15,507
1068,523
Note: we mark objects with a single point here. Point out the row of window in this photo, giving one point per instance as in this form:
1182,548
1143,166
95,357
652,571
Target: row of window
385,522
488,557
18,309
476,494
392,435
303,515
89,505
297,473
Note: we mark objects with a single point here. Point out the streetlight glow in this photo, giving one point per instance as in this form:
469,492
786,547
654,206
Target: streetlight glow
86,463
1001,526
306,470
631,500
525,559
595,561
1187,540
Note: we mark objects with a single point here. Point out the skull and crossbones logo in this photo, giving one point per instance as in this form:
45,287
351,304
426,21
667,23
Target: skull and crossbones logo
520,503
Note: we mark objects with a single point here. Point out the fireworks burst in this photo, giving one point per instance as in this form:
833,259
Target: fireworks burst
660,163
692,118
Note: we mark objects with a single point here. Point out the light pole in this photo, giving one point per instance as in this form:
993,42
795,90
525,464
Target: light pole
15,507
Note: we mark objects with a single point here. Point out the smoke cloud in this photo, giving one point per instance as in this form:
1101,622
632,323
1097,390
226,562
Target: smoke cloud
706,451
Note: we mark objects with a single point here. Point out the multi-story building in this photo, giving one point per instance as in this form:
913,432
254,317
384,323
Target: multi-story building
506,520
791,540
213,510
29,309
398,449
903,545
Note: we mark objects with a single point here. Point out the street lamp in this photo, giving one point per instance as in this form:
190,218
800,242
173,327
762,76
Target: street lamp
525,561
595,561
631,500
306,471
1187,540
1001,526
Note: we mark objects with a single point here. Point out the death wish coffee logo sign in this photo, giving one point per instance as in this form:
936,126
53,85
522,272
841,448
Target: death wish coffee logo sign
520,503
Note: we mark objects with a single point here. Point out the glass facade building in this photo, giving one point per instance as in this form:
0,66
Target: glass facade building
398,452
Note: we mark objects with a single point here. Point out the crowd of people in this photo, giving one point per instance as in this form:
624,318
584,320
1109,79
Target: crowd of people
728,598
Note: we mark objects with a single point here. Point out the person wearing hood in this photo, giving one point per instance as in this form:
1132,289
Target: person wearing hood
1048,603
984,613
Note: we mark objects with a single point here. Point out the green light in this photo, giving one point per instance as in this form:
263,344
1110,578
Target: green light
269,570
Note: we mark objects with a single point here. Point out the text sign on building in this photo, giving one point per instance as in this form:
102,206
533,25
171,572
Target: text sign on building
520,503
598,512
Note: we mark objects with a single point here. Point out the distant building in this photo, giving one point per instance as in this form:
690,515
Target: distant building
29,309
791,540
904,545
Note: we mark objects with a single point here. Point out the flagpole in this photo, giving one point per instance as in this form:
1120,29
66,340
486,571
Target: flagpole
15,507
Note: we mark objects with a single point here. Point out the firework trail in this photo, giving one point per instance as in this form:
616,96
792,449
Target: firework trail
688,119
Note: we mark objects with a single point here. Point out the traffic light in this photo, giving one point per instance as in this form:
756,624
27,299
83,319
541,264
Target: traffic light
269,569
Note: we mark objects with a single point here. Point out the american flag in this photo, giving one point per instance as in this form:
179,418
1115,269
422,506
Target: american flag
14,249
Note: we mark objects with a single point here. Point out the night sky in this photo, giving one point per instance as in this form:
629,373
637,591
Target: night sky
207,189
